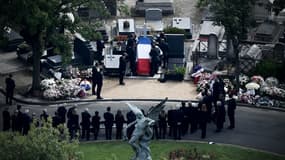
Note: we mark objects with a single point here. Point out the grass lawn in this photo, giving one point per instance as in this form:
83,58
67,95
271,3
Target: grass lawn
122,151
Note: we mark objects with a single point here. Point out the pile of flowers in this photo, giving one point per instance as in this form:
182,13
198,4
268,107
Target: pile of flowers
60,89
190,154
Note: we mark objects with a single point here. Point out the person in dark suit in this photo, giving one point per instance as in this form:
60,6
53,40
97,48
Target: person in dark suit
231,111
44,116
55,120
131,53
61,114
10,86
178,124
193,117
97,79
155,60
203,118
130,118
163,45
100,46
122,68
120,120
185,120
26,120
162,123
221,113
171,121
6,120
72,122
109,120
96,124
85,123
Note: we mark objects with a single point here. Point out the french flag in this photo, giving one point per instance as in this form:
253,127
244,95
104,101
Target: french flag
143,50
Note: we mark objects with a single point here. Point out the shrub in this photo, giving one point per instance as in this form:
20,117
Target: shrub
41,143
173,30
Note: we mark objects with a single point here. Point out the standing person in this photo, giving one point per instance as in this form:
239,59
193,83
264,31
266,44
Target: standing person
162,123
171,123
19,119
221,113
55,120
193,117
154,54
97,79
122,68
61,114
26,118
96,124
6,120
10,86
100,46
163,45
203,118
120,120
231,111
185,121
14,119
74,120
109,120
85,123
130,118
44,116
131,53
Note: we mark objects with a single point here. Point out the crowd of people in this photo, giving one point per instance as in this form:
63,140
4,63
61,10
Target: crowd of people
175,123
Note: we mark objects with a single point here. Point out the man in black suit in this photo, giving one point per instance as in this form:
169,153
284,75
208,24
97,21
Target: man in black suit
122,68
109,120
85,123
10,86
96,124
130,118
97,79
221,113
231,111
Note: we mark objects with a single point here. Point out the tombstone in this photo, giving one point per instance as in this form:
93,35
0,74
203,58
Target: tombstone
213,45
230,50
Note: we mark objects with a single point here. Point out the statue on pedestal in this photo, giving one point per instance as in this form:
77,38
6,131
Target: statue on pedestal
143,132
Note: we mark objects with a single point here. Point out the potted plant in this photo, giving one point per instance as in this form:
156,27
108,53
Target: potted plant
176,74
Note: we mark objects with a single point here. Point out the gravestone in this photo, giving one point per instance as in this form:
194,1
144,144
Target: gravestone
213,45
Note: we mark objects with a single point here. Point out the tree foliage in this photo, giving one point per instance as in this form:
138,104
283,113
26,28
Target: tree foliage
41,143
278,5
41,22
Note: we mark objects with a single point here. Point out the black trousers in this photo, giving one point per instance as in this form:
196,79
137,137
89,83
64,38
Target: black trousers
108,132
162,131
232,119
96,132
98,89
203,126
119,132
121,76
9,96
85,132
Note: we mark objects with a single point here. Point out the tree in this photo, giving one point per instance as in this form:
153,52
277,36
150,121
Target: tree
235,16
41,22
41,143
278,5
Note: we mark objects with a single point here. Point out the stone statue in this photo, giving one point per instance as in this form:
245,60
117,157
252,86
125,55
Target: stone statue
143,132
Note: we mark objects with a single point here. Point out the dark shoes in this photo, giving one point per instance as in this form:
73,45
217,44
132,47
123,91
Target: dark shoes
123,83
100,98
